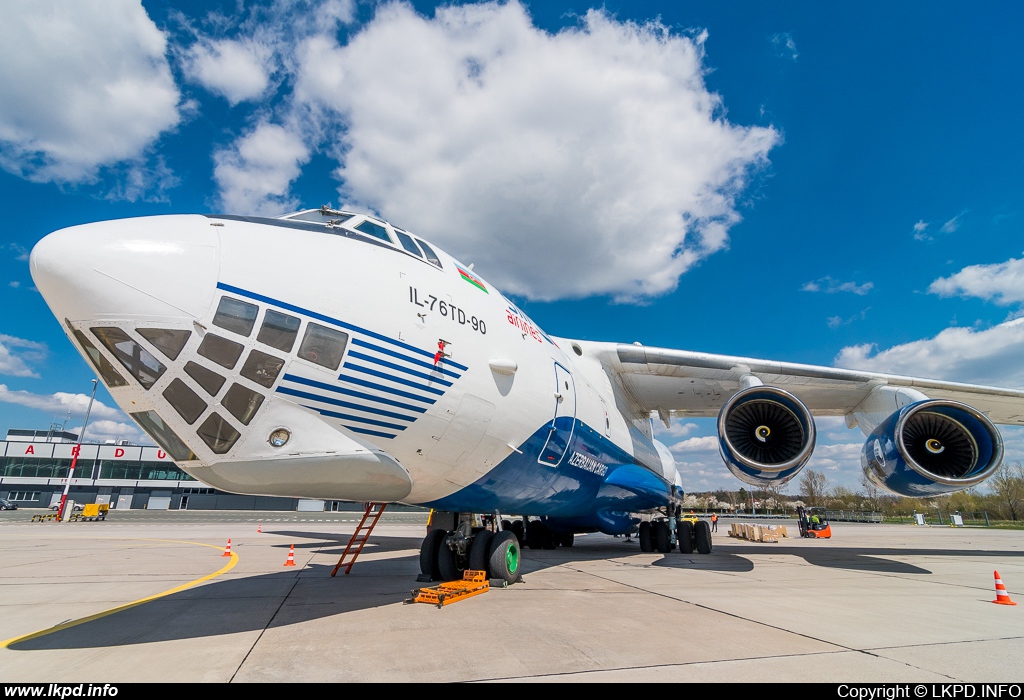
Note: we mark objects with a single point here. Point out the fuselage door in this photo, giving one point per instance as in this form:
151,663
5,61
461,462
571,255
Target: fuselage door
561,427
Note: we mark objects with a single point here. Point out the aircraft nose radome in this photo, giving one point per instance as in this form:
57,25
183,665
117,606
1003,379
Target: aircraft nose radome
155,267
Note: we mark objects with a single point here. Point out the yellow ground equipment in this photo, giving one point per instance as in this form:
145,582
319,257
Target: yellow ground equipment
472,583
92,511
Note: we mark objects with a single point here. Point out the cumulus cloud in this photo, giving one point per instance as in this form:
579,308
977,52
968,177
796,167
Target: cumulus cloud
255,172
988,356
696,444
1002,283
597,149
104,430
831,286
17,354
235,69
60,403
837,457
676,429
83,85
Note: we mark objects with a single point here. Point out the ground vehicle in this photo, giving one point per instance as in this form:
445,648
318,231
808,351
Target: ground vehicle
813,524
7,505
56,506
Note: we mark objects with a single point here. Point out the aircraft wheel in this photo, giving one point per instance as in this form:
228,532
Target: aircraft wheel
505,557
702,533
537,535
428,554
506,524
480,551
448,563
567,539
662,537
646,545
520,532
684,533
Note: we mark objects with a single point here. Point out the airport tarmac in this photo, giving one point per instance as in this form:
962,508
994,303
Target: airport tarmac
876,603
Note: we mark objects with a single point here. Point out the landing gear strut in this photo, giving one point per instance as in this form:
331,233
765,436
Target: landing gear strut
445,554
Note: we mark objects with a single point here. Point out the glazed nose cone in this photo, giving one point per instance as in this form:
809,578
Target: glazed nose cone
162,267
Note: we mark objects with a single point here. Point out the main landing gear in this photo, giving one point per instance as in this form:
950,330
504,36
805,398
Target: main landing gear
446,553
690,533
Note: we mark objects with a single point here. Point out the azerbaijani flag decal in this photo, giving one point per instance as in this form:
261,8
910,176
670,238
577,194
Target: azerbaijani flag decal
468,276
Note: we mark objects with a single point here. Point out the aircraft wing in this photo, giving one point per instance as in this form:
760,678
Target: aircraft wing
696,384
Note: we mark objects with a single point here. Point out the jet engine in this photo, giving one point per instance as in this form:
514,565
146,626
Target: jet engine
765,435
932,447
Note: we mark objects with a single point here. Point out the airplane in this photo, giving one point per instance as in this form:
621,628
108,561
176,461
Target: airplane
328,354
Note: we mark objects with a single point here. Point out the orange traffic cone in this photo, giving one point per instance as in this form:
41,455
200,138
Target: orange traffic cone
259,527
227,550
291,558
1001,596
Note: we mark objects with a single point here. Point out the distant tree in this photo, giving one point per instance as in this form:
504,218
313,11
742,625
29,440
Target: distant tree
844,498
813,487
1008,487
872,494
743,498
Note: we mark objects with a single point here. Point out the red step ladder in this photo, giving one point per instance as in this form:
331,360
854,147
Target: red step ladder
360,536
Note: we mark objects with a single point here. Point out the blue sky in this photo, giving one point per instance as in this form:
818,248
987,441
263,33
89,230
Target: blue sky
794,181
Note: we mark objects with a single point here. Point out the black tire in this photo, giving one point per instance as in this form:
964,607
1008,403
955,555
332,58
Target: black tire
506,524
448,563
646,543
520,532
480,551
662,537
505,557
537,534
567,539
684,533
702,533
428,554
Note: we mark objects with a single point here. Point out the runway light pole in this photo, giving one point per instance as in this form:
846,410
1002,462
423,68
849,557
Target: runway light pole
74,455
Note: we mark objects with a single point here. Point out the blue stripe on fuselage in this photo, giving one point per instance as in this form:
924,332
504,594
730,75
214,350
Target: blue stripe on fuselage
520,484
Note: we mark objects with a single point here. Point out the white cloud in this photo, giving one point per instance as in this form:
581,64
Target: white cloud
920,231
103,430
490,136
60,403
83,84
952,225
16,354
696,444
1002,283
831,286
676,429
20,251
238,70
785,45
989,356
258,168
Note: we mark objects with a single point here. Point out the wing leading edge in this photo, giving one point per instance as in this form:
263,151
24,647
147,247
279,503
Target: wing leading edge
685,383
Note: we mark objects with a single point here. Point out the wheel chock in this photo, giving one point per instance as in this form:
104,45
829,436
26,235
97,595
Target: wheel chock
472,583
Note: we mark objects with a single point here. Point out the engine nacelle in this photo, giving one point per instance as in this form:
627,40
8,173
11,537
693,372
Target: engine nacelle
765,435
931,448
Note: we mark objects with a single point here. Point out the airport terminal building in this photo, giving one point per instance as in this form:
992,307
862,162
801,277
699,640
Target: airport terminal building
34,468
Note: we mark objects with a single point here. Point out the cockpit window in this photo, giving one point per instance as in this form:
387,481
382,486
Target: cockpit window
236,316
185,401
375,230
242,403
323,346
429,252
408,243
262,368
320,216
163,436
221,350
135,358
169,342
110,376
279,330
218,433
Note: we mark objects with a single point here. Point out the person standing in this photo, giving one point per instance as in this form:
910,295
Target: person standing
714,522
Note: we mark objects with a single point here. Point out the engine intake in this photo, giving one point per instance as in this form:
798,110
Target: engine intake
931,448
765,435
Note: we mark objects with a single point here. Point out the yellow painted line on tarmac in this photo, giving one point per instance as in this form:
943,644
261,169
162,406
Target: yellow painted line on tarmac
74,623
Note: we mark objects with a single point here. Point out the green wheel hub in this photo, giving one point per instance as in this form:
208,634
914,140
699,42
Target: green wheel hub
512,558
